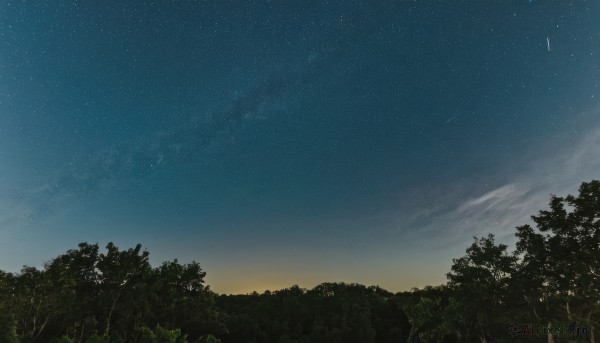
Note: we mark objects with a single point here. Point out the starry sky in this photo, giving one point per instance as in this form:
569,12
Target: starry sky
291,142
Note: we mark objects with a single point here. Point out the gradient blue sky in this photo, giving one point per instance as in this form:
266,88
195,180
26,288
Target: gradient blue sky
291,142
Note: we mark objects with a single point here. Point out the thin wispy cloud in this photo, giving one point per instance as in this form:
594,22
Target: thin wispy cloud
525,192
505,196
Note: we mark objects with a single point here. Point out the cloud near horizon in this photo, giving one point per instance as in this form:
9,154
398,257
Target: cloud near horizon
523,194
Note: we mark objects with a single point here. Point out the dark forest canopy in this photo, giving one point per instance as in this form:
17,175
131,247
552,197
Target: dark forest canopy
551,279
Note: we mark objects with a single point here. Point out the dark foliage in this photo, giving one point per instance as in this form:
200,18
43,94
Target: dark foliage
551,279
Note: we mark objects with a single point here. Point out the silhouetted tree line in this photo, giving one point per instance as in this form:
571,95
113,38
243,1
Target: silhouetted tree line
551,279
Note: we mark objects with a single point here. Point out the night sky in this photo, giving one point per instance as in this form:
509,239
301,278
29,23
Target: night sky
291,142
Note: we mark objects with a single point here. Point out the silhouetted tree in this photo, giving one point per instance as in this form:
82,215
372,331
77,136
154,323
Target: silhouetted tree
89,296
479,283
